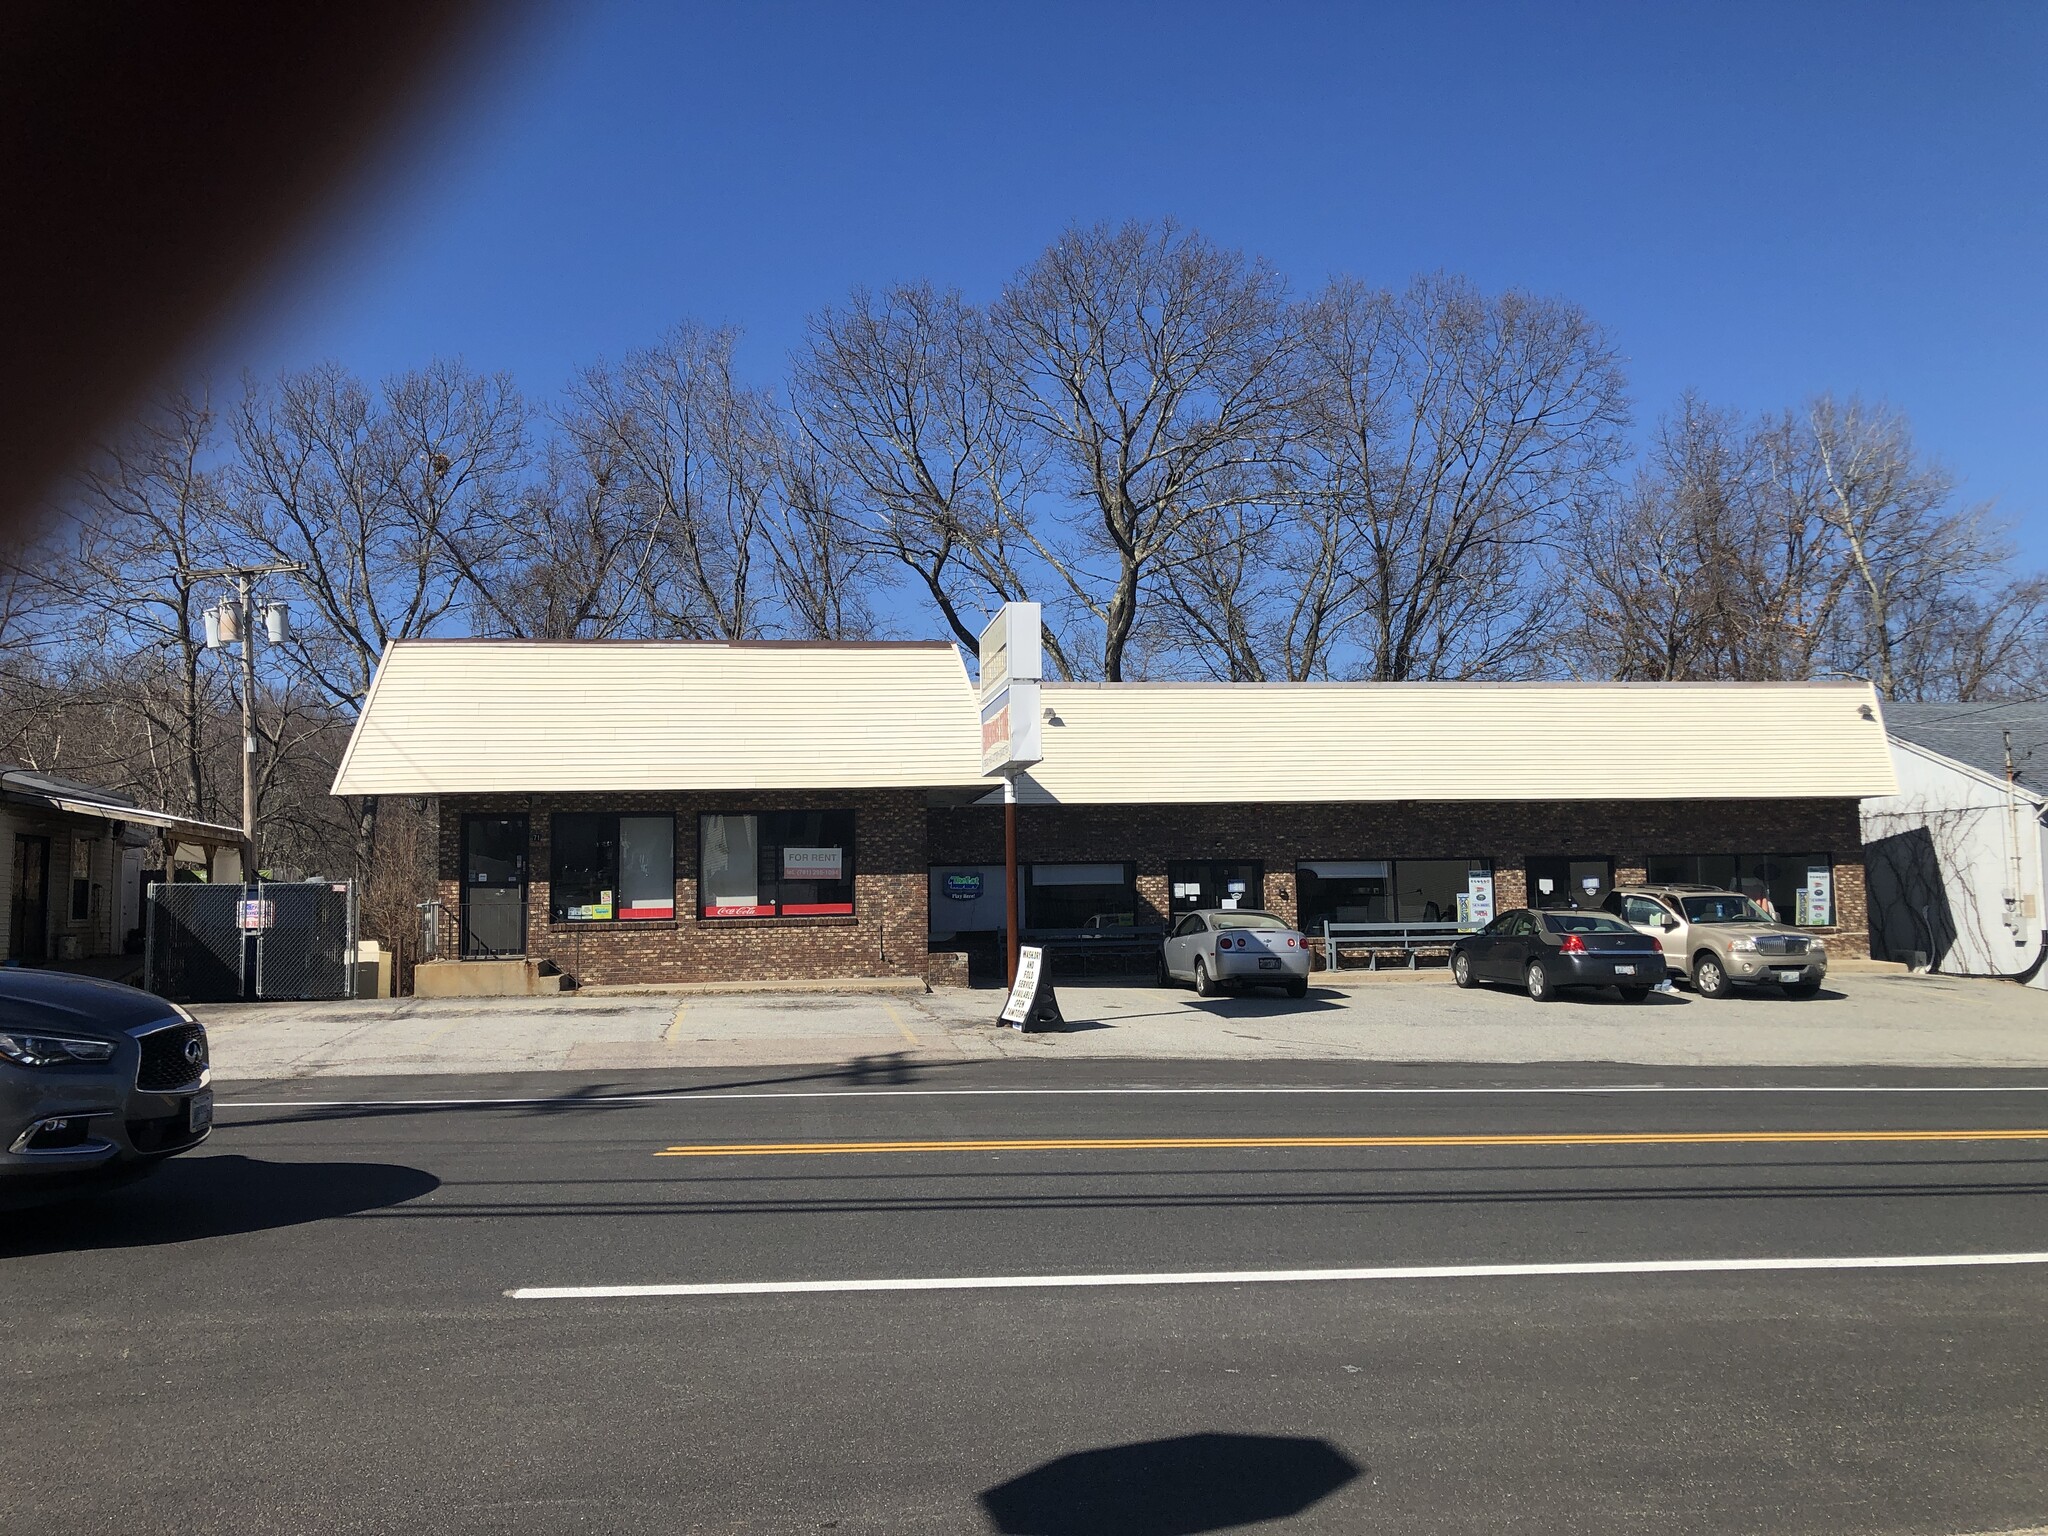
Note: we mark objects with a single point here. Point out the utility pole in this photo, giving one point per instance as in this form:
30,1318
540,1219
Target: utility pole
244,578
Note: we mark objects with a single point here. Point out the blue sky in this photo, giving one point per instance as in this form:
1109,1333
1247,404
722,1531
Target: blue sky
1759,201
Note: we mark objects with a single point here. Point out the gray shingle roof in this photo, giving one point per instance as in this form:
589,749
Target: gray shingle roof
1975,734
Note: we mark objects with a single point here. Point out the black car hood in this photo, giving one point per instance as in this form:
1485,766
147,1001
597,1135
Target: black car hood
53,1002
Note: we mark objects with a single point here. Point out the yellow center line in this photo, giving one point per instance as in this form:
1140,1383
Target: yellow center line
1197,1143
675,1025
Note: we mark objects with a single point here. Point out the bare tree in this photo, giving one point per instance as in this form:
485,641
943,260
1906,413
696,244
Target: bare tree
378,496
1155,368
145,512
1446,436
1913,552
565,558
824,571
1800,545
902,393
693,452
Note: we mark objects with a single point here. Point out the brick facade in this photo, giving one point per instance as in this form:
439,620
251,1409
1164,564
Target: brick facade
896,840
1508,833
885,936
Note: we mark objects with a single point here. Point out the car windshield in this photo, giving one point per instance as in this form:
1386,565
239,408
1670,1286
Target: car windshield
1585,922
1265,921
1726,907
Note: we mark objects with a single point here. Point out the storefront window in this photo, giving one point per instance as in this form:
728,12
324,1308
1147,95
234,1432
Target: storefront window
1794,888
609,868
1345,891
775,864
1089,896
1395,891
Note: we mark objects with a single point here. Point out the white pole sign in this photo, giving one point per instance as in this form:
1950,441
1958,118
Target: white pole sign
1012,663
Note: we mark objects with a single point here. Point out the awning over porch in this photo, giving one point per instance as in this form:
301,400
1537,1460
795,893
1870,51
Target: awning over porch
26,787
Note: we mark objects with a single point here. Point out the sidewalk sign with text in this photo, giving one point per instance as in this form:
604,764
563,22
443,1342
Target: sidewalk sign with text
1032,1004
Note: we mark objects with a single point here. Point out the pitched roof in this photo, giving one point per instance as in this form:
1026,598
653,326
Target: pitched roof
1292,742
484,716
1975,734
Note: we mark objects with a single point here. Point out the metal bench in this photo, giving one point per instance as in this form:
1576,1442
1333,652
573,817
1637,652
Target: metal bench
1406,938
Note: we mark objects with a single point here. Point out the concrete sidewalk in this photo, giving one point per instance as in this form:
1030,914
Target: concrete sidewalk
1865,1018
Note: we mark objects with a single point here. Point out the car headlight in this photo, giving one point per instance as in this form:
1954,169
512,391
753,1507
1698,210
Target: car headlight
1815,947
1744,946
52,1050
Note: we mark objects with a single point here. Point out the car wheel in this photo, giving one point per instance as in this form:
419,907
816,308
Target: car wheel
1803,989
1710,978
1298,988
1540,989
1204,987
1634,994
1461,970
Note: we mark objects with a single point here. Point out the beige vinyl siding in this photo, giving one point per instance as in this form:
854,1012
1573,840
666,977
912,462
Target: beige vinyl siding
1225,743
447,717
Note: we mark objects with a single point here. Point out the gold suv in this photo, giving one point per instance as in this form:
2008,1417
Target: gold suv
1720,940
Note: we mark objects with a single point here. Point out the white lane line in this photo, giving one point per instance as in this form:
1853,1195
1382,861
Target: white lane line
714,1095
1275,1276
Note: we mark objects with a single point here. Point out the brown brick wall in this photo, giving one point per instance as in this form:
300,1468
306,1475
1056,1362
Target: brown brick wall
1506,832
884,937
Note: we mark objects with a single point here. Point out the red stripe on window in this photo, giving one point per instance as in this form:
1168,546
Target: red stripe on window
817,908
759,911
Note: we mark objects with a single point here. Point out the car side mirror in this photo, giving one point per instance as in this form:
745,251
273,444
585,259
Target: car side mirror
1667,922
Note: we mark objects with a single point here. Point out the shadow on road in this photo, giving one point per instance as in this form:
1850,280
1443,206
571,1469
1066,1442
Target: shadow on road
201,1197
1177,1487
883,1069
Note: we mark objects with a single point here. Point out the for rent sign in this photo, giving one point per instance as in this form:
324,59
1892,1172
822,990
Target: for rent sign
811,863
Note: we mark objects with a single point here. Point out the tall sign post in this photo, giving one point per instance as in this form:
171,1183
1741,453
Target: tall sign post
1012,663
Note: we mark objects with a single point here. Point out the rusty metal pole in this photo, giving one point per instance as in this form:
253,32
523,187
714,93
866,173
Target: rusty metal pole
1010,872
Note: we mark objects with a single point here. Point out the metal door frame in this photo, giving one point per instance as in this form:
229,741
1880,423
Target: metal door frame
463,951
1257,902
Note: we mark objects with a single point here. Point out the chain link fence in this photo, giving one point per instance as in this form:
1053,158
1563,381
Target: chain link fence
197,946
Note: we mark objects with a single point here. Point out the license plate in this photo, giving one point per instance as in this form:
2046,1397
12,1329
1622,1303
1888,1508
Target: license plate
199,1111
1624,970
1268,963
1790,975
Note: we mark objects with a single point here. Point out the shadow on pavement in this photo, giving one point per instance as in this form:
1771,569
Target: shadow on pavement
200,1197
885,1069
1177,1487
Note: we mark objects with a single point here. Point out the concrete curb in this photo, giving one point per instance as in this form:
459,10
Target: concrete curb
912,986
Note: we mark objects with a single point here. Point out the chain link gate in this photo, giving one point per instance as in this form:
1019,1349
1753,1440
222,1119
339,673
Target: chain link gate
274,941
306,949
192,943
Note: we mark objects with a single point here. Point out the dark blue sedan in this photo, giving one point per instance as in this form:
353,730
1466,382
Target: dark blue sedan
1545,952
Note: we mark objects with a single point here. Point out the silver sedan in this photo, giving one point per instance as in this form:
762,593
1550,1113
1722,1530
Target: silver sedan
1219,947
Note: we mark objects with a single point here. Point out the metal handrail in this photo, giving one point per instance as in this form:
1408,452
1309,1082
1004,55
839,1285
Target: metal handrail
1412,938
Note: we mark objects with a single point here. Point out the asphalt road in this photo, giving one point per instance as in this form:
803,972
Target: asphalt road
307,1326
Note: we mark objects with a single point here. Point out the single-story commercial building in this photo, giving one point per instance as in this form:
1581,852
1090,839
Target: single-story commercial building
79,857
1959,856
680,811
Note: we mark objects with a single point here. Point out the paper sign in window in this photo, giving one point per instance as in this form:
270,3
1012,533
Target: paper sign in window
811,863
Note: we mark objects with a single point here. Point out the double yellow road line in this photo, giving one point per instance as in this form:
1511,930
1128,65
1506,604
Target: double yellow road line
1229,1143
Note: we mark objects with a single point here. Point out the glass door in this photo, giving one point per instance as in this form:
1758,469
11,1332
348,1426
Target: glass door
1206,884
493,886
1577,880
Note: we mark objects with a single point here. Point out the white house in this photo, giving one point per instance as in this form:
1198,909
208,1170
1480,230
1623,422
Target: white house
1956,858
